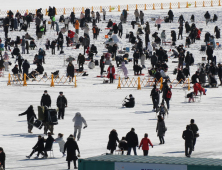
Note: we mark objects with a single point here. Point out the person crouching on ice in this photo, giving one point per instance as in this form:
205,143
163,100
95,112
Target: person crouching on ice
130,103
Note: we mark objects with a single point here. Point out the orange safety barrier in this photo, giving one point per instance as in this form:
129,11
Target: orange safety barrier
59,11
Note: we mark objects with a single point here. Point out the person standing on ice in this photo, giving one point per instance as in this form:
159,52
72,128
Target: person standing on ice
194,129
155,97
124,69
30,117
78,121
111,73
61,104
145,144
132,141
46,99
188,137
161,129
158,22
113,138
71,146
104,14
170,14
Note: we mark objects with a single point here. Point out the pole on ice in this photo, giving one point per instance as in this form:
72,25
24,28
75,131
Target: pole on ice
119,84
9,79
24,83
139,85
52,82
75,82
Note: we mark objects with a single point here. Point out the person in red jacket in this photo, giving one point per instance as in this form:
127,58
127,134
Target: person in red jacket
71,35
111,73
145,144
197,87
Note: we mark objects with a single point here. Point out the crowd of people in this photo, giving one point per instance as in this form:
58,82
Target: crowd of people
143,49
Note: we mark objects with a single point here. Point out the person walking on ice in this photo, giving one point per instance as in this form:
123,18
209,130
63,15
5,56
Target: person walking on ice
78,121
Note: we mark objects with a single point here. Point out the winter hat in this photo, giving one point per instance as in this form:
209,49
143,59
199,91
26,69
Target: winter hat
61,92
45,91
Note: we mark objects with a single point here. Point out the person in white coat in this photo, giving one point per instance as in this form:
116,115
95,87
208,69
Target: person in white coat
61,142
78,121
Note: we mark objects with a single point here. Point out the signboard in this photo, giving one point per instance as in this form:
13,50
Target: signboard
146,166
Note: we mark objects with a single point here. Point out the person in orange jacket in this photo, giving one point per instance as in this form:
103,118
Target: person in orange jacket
77,26
111,73
197,87
145,144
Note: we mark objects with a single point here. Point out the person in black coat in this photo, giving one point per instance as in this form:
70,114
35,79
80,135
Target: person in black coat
115,28
72,16
102,65
173,35
113,138
70,71
195,77
39,68
207,38
136,56
30,117
2,158
217,31
71,146
192,18
187,26
153,60
207,17
81,60
130,103
188,137
6,30
170,13
123,145
25,67
110,24
215,18
46,99
180,32
39,147
48,144
15,70
180,76
52,46
132,141
209,53
15,51
219,71
61,104
20,60
186,71
155,97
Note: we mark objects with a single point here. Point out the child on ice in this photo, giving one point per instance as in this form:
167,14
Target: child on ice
61,142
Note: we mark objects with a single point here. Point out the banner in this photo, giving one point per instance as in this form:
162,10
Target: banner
146,166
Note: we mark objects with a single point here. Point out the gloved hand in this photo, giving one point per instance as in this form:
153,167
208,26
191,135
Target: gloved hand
139,148
84,127
19,115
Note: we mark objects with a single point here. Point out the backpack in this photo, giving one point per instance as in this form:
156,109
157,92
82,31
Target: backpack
169,94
